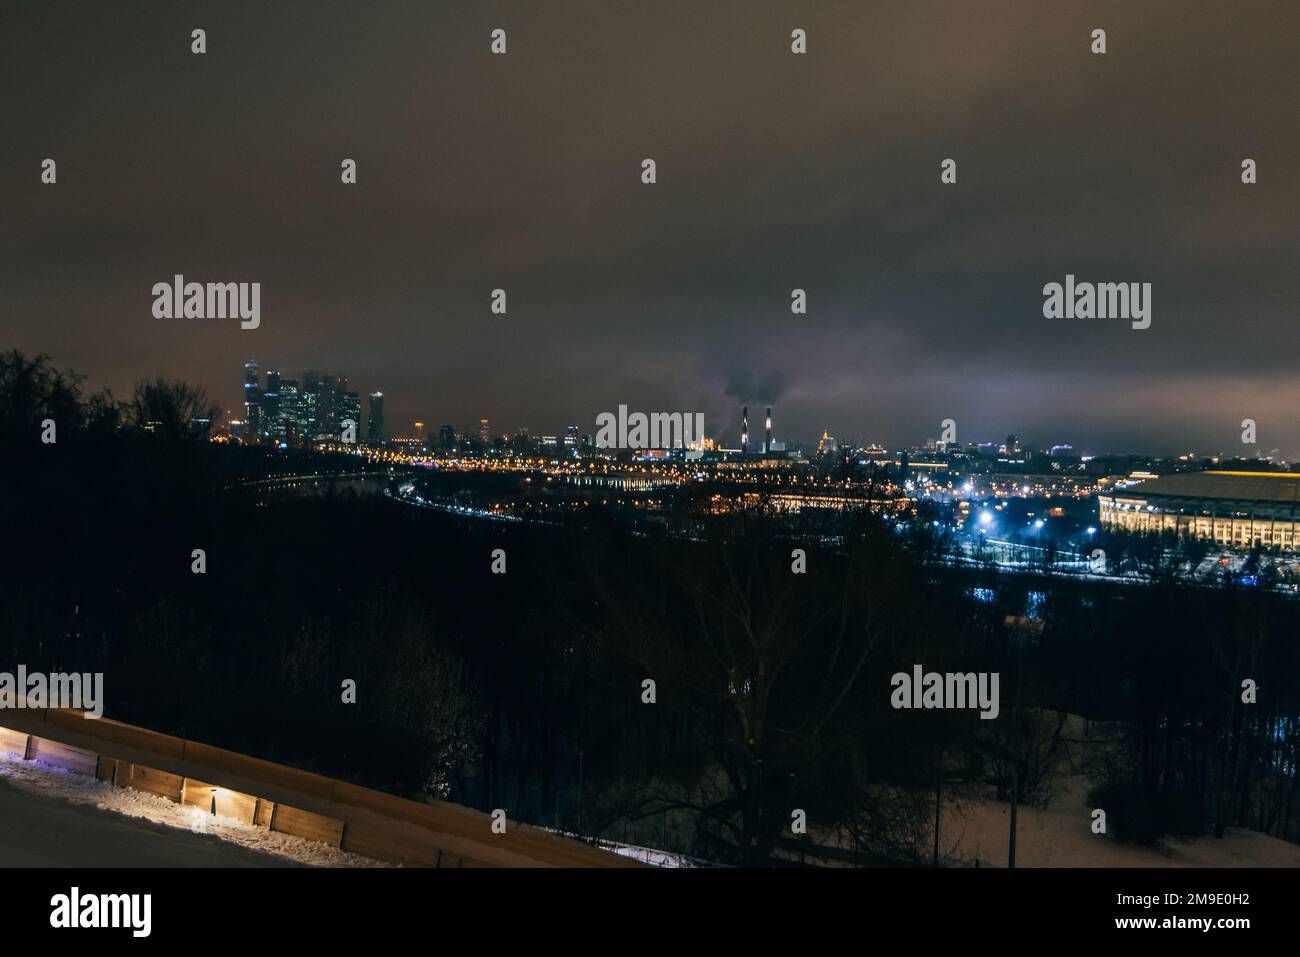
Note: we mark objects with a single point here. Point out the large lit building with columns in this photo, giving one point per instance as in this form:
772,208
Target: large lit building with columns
1236,509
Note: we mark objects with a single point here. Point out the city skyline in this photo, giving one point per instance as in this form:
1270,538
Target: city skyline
724,433
775,173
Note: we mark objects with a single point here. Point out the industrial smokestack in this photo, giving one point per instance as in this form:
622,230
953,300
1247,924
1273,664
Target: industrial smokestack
767,432
744,428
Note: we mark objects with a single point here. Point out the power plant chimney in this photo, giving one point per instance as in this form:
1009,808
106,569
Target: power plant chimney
767,440
744,429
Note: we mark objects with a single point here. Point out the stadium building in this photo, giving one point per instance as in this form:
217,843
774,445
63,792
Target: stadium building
1239,509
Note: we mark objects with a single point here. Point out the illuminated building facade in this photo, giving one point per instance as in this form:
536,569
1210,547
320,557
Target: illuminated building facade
348,408
1237,509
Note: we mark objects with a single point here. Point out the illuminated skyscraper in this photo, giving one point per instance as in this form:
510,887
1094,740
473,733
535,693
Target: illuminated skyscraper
252,401
326,403
349,409
290,426
375,429
270,425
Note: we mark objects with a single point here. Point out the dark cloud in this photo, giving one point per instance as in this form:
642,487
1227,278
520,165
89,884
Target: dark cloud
775,172
743,386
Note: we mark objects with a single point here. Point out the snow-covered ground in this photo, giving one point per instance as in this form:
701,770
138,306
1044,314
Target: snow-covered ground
646,855
54,818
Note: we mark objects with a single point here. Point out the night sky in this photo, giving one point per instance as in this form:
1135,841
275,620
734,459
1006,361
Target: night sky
775,171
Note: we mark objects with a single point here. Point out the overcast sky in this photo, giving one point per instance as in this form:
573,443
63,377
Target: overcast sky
775,171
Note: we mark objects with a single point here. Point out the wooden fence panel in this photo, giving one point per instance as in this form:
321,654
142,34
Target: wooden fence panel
153,781
241,807
127,735
13,742
63,756
304,824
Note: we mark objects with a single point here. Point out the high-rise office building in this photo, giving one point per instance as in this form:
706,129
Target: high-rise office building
348,408
252,401
375,430
447,437
307,399
269,403
326,401
291,426
484,433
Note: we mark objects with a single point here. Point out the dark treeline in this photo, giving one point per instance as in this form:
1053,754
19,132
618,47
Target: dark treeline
528,690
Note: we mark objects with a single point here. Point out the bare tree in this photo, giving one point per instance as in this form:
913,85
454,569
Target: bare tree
172,410
767,668
32,390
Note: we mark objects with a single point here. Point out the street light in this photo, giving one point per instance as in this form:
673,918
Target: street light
1020,628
